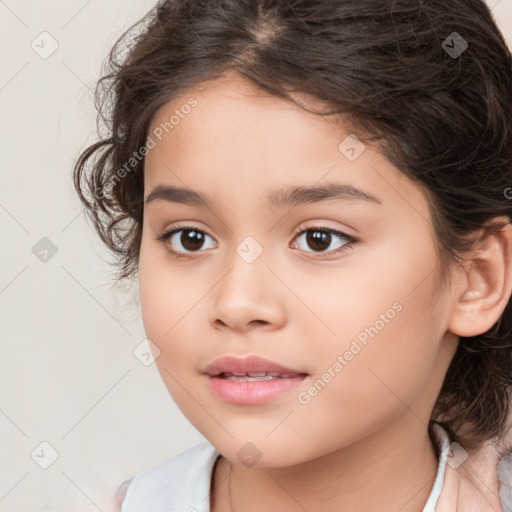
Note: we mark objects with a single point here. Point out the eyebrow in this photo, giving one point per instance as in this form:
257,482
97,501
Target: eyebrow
291,196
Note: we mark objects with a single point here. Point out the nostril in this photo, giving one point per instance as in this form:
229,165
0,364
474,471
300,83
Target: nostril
258,322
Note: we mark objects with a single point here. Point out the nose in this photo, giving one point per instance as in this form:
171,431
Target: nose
247,296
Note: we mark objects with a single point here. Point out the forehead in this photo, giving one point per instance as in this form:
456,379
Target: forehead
237,137
234,126
232,111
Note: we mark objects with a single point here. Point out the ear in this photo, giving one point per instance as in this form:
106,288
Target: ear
483,290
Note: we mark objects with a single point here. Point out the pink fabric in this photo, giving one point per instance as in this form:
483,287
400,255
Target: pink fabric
474,485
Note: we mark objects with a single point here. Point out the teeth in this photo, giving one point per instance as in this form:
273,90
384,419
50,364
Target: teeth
250,379
256,376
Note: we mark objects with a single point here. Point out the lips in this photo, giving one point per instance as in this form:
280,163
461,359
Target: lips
251,380
249,368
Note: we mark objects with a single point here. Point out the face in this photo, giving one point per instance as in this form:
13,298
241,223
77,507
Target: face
340,288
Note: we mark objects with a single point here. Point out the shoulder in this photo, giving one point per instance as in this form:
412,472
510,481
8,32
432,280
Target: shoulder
181,483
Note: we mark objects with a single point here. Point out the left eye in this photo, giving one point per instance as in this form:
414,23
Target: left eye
320,239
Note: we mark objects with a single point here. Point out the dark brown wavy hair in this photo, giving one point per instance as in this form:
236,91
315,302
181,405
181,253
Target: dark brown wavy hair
439,110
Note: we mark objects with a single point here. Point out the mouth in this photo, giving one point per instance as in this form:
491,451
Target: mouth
250,380
255,377
249,366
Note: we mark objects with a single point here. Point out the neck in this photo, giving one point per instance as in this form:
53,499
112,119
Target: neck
388,470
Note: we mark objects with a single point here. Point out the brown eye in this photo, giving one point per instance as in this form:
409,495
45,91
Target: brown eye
320,239
184,240
191,240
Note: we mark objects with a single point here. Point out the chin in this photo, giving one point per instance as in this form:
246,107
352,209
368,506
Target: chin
260,453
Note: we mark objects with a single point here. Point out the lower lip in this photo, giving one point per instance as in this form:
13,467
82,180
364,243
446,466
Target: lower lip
252,392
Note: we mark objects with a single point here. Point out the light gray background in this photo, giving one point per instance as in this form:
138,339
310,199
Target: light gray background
68,374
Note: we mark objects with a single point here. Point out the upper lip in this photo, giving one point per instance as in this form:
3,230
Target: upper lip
251,364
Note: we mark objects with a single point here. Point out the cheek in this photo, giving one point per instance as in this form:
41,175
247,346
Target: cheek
384,364
385,344
168,298
167,325
166,292
375,382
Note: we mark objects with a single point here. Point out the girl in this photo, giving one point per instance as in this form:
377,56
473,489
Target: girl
316,199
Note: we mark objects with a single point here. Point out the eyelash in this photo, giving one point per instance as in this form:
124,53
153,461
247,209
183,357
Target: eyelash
351,241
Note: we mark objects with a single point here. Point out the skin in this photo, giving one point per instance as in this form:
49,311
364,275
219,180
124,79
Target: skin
362,443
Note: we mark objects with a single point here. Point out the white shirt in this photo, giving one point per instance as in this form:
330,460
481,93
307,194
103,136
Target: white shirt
182,484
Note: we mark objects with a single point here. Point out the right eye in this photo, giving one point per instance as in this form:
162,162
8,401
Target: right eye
185,238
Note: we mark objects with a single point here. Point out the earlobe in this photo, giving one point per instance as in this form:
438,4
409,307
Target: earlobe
486,285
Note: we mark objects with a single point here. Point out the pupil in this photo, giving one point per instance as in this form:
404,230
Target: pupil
318,240
187,239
